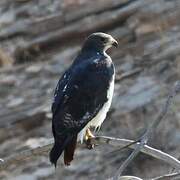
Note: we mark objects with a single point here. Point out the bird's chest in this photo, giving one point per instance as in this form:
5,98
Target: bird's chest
106,75
101,115
101,76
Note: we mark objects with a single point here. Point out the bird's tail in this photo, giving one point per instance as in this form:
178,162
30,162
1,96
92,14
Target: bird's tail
69,151
58,148
66,144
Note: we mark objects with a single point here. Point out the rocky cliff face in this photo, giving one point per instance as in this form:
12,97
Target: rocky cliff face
39,39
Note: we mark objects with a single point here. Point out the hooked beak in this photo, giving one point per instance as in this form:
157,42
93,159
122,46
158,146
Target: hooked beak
115,43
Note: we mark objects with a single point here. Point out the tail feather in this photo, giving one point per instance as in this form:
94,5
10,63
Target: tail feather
69,151
58,148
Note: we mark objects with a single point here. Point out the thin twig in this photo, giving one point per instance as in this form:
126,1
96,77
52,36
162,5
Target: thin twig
173,176
144,139
20,157
128,178
101,140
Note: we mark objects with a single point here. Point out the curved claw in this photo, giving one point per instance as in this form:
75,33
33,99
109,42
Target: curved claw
89,135
88,138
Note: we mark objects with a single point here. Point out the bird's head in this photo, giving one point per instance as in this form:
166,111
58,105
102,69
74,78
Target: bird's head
100,42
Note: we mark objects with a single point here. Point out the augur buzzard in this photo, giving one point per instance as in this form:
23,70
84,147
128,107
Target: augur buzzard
83,96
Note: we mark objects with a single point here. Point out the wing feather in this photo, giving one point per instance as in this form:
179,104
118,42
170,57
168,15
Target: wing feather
79,92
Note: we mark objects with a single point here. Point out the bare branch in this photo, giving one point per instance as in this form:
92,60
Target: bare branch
27,154
128,178
144,139
175,176
115,142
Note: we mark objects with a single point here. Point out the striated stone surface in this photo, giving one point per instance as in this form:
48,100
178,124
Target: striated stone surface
39,39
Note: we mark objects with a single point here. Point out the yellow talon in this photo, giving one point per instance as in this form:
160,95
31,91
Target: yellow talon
89,135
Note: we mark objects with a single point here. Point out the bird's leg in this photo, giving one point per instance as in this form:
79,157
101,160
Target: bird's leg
88,138
89,134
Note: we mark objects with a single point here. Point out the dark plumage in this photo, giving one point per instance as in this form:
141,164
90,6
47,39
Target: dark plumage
82,95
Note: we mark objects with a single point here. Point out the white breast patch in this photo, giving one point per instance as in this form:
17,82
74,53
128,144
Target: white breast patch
100,117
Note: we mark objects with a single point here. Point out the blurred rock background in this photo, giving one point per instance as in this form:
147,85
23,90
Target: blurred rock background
39,39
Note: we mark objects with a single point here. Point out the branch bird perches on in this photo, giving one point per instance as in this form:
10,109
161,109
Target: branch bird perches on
100,140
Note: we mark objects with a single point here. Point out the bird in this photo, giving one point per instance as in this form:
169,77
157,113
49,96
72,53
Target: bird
83,96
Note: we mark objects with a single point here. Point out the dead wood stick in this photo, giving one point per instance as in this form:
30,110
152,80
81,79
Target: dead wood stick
100,140
144,139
